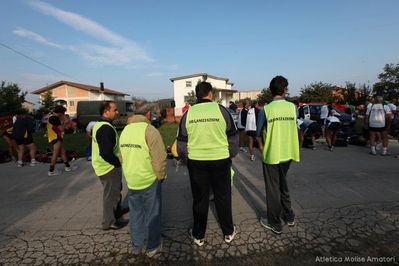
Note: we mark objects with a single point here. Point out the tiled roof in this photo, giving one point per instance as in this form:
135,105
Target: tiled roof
80,86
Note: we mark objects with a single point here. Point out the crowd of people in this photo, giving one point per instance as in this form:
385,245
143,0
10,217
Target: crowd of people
207,141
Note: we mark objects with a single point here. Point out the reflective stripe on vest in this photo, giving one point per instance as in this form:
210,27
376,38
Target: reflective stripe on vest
281,136
206,131
136,158
101,167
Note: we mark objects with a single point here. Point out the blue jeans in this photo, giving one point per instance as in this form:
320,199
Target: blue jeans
145,216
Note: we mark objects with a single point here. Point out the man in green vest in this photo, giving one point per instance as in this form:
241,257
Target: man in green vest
207,140
278,124
143,157
107,166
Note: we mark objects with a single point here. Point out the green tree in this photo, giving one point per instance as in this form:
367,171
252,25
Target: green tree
350,93
191,99
265,96
47,102
317,92
388,86
11,99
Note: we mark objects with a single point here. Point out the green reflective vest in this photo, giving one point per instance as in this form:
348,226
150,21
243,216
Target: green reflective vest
136,158
101,167
206,131
281,136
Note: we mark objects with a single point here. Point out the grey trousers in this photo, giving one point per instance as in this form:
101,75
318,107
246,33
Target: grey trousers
112,183
278,200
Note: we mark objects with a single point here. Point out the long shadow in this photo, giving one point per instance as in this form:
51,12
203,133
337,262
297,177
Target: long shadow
28,189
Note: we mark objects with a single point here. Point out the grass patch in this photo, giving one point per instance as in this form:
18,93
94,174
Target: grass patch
78,142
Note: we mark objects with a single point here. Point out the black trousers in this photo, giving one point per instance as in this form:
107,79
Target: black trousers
278,200
203,176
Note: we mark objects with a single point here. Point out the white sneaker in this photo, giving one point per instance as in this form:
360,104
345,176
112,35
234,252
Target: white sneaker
252,157
242,149
20,164
33,162
154,252
198,242
54,173
230,238
71,168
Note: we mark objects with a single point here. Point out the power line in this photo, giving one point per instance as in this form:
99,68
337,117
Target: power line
36,61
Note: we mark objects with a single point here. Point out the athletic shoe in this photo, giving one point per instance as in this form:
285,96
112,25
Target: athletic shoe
252,157
266,225
385,153
373,152
20,164
156,251
230,238
71,168
89,158
242,149
198,242
54,173
33,163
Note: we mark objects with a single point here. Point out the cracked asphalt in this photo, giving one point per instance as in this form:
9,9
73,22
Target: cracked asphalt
346,203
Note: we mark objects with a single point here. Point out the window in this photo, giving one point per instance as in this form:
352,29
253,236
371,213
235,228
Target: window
71,103
188,84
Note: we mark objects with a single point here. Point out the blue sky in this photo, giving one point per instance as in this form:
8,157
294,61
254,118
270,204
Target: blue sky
137,46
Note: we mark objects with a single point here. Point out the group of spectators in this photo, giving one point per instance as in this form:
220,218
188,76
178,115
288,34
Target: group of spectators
19,134
380,120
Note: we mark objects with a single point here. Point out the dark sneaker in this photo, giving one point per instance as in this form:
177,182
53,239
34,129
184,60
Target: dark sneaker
266,225
198,242
116,226
289,219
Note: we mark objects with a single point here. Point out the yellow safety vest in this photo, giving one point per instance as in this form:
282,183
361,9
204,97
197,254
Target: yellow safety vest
206,131
136,158
101,167
281,136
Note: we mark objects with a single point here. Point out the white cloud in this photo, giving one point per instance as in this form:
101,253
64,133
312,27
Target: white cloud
36,37
120,51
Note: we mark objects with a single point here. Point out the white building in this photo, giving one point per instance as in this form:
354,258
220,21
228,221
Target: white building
241,95
183,85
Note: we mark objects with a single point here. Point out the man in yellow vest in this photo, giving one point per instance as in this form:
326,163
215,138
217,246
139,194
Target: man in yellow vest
207,140
55,136
107,166
143,157
280,134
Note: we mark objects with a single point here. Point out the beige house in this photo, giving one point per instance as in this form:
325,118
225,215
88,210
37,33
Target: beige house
68,94
183,85
241,95
28,106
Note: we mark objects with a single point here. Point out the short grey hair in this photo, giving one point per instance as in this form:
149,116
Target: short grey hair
142,109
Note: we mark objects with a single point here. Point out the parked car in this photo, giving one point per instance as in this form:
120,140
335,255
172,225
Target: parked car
90,111
234,115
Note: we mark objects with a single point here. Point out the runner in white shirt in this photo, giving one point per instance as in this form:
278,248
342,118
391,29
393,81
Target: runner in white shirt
332,125
378,120
89,130
250,129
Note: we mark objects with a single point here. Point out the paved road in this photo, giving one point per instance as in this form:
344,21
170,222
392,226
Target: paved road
346,201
